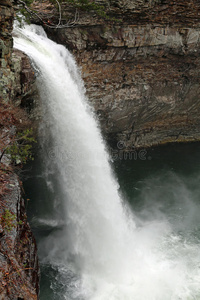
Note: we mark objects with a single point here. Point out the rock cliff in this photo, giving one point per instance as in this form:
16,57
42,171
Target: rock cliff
141,69
19,272
18,252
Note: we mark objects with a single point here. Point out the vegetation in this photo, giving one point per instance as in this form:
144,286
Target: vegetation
87,5
8,220
20,148
24,10
16,140
28,2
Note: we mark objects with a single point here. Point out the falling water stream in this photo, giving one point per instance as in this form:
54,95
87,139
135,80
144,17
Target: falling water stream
95,245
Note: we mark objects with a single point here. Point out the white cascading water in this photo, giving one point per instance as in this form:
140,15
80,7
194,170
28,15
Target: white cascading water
111,257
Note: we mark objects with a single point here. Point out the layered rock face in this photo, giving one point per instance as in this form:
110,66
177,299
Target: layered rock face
141,70
19,272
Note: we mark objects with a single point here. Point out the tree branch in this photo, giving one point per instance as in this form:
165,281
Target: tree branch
60,13
56,26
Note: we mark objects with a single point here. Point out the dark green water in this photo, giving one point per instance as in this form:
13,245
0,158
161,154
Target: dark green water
164,184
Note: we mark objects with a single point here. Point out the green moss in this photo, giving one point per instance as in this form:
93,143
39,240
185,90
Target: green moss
8,220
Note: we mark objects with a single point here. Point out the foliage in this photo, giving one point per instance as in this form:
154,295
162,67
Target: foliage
20,149
8,220
14,134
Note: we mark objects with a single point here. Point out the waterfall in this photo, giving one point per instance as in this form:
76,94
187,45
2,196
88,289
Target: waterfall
100,247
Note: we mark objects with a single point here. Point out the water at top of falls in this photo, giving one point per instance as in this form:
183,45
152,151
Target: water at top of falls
100,243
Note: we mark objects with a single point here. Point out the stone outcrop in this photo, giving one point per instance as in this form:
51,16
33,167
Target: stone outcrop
141,70
18,252
16,74
26,93
19,272
6,75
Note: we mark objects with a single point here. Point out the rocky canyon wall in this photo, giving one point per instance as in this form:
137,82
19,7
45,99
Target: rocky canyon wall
19,271
141,67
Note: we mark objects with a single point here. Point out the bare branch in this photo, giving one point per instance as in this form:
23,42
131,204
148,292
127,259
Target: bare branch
30,11
60,13
56,26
